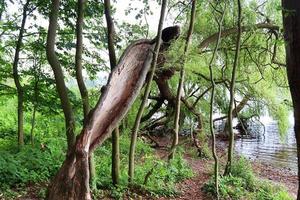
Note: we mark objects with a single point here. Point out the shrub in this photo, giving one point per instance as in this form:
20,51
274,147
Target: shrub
31,164
162,180
242,184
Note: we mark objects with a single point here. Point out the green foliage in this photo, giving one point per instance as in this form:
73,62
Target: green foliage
31,164
162,180
242,184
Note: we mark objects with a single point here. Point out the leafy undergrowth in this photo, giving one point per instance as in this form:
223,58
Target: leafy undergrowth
29,166
243,184
161,182
26,172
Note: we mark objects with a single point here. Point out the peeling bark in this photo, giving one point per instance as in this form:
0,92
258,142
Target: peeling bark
125,82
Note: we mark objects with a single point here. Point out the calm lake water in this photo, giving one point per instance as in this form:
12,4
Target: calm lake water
269,148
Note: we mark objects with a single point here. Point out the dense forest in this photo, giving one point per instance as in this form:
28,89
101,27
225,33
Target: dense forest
157,99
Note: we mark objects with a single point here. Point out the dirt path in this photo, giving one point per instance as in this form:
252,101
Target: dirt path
191,189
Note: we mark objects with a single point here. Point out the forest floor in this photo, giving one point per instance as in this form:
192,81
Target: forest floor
192,188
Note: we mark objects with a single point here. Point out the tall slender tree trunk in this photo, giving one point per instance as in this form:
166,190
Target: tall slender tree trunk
78,58
212,98
291,24
232,91
115,167
33,124
16,76
79,78
146,94
35,104
181,81
58,74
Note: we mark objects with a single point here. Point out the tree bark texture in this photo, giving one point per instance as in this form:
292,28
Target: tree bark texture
291,24
125,82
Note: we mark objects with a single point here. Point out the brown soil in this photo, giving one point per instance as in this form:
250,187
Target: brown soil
191,189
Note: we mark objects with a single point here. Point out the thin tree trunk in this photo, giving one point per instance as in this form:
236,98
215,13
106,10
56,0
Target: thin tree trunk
146,94
16,76
181,80
58,74
79,78
115,167
34,108
32,125
78,58
232,92
212,98
291,24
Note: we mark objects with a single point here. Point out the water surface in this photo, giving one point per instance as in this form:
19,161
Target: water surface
269,148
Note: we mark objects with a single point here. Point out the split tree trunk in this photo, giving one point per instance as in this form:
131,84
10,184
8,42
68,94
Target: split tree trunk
291,24
125,82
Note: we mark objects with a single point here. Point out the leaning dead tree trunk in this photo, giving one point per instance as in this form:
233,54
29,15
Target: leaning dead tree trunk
115,166
181,80
291,24
58,74
125,82
232,92
146,94
16,76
